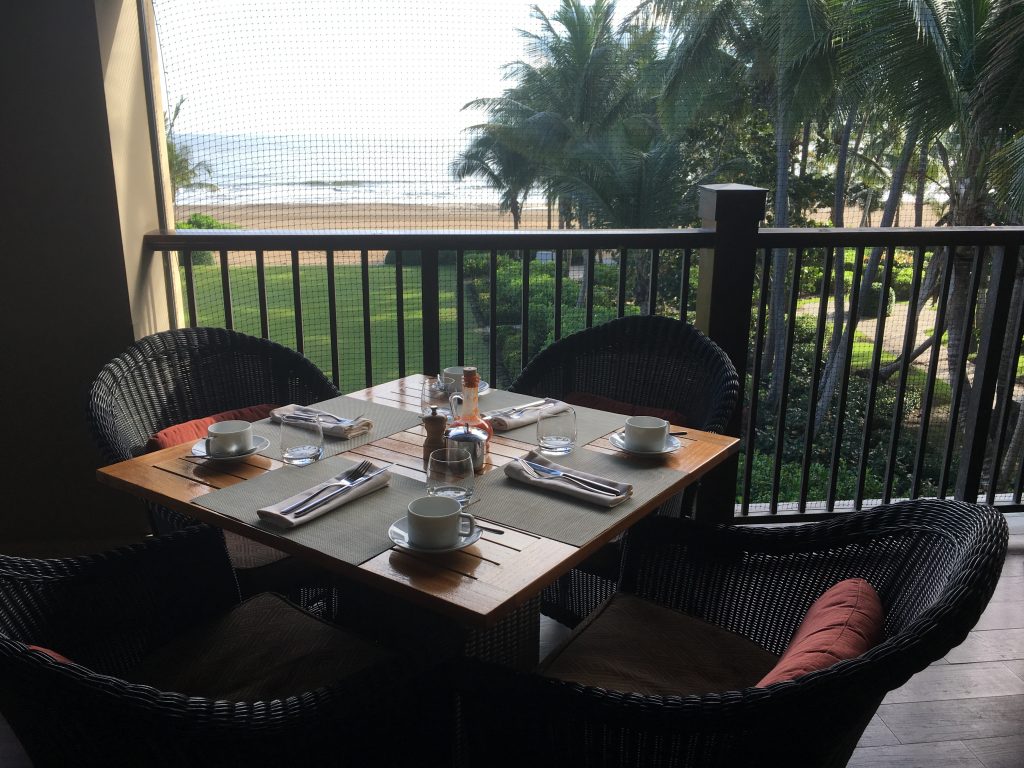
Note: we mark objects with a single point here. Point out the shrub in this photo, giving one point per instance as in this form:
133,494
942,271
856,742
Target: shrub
203,221
867,307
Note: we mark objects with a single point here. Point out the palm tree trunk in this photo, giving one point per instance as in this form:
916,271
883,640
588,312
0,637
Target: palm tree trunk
839,198
805,143
922,174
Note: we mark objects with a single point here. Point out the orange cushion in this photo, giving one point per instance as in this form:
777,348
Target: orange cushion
843,623
52,654
600,403
196,429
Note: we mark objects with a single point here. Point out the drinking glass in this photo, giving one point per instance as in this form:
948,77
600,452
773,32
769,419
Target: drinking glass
450,473
434,394
302,440
556,431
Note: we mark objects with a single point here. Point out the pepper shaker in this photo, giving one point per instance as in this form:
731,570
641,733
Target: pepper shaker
434,425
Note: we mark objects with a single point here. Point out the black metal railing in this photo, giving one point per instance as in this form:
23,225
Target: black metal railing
835,414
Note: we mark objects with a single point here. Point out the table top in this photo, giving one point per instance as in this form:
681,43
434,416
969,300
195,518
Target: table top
478,585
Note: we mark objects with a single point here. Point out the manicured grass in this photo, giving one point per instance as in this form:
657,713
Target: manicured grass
348,296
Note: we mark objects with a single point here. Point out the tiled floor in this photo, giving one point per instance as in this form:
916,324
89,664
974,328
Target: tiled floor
966,710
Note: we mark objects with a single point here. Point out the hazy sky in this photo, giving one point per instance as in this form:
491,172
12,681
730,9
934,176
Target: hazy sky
320,66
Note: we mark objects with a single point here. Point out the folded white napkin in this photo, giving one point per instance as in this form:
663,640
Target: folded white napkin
330,423
502,421
273,515
515,471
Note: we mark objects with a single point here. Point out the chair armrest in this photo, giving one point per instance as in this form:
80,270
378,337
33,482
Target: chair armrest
760,581
105,611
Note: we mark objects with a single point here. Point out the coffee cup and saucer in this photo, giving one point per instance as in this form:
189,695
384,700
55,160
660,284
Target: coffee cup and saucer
645,436
455,386
229,441
434,524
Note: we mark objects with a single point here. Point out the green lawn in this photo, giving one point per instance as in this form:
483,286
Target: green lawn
348,295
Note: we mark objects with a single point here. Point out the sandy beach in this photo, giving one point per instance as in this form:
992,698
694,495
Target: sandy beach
374,216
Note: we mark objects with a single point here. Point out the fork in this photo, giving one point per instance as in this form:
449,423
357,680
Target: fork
550,473
341,481
518,410
328,418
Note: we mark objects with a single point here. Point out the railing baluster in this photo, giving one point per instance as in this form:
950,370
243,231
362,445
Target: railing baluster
591,258
812,397
933,367
909,337
430,285
652,290
225,287
332,313
460,305
876,361
755,384
620,308
559,261
524,335
684,285
190,291
297,303
780,420
493,337
959,377
400,312
261,292
850,329
364,273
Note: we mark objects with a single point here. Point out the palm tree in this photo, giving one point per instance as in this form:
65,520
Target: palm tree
183,172
503,168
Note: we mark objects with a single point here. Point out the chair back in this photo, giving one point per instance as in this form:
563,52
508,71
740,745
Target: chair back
648,361
176,376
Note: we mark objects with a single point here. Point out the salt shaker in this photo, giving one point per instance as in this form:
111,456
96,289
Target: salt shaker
433,425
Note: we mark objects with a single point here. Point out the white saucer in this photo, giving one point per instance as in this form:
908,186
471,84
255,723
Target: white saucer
399,534
671,444
258,444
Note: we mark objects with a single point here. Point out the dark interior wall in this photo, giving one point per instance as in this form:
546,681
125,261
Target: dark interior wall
65,307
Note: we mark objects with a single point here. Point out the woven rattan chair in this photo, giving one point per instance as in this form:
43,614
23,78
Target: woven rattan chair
118,617
640,364
933,563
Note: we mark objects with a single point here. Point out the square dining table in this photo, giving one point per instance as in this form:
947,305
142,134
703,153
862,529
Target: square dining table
482,588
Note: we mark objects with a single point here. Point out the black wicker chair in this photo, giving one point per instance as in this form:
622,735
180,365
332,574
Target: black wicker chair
111,614
648,362
176,376
933,563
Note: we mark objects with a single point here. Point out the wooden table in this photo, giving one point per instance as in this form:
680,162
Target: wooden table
479,586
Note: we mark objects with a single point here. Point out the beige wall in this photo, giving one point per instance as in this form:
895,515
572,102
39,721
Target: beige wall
74,155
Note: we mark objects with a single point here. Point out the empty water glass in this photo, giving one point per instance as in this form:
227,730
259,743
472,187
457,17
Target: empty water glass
434,394
302,440
450,473
556,431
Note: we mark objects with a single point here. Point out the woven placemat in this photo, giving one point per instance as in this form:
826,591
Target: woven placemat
564,518
590,424
386,421
353,532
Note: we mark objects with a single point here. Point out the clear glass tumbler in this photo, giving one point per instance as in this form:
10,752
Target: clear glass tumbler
302,440
450,473
556,431
434,394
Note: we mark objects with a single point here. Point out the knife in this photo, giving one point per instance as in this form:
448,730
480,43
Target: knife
305,510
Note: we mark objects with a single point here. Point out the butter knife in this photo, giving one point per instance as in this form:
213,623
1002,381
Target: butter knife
306,509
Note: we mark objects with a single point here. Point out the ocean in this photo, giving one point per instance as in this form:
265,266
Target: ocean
329,168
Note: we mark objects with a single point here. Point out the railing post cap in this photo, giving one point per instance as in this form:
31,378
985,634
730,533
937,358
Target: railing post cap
734,201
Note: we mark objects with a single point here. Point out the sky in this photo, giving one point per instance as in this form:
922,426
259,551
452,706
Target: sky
337,66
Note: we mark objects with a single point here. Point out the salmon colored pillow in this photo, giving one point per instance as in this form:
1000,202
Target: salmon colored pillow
600,403
196,429
52,654
843,623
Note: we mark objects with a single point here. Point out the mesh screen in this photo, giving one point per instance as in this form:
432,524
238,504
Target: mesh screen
336,115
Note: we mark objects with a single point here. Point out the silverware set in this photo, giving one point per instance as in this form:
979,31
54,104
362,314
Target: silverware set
328,419
358,475
541,472
519,410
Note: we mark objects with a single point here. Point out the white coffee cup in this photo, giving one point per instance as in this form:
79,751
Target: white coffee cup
455,373
228,438
437,522
645,433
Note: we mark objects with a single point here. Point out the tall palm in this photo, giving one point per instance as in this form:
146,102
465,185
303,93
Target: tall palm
511,173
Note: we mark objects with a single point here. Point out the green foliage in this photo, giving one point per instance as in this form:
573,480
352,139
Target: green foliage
867,307
203,221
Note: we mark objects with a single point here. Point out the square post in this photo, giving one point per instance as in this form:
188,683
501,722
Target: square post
724,308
